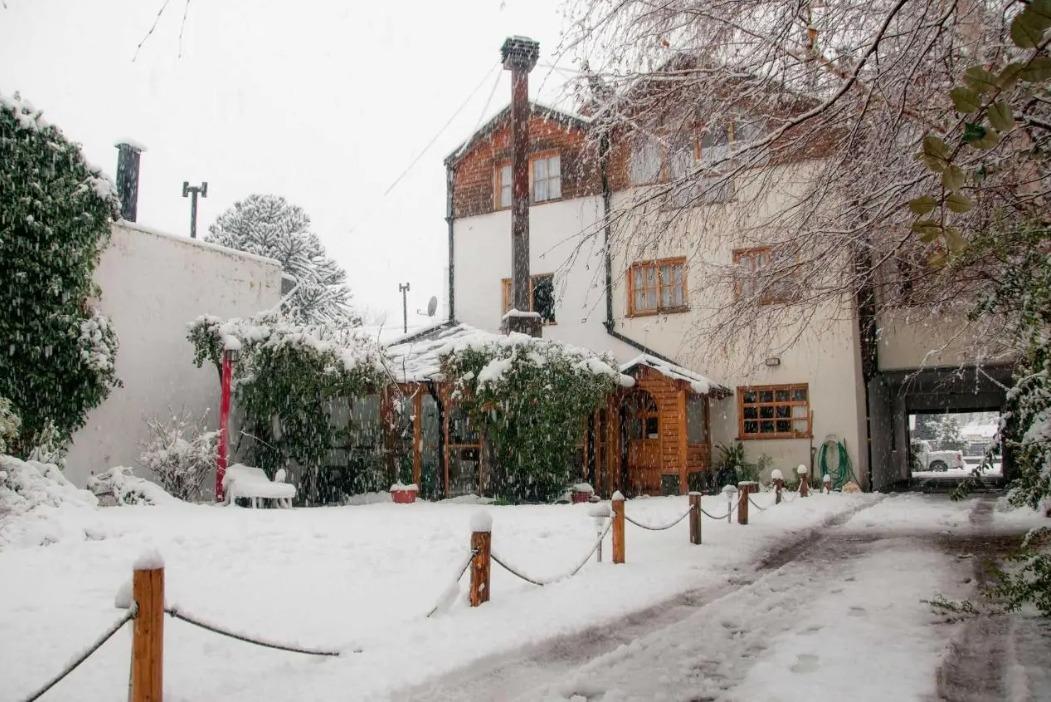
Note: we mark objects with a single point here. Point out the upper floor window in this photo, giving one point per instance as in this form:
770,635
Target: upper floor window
764,276
547,178
652,160
657,287
541,296
503,186
773,412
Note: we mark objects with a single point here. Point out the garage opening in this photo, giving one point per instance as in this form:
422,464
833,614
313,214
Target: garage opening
947,447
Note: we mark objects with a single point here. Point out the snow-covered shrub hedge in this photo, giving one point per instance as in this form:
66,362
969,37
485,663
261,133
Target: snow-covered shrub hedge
55,215
287,380
181,454
9,424
126,488
38,503
531,399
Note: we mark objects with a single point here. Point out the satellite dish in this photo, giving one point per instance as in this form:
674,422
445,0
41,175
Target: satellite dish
432,306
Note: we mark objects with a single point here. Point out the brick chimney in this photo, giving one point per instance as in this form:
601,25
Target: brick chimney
128,177
519,56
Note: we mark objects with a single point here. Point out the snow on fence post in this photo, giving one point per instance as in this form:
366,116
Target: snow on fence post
826,484
729,490
804,480
600,513
617,503
481,547
779,484
695,517
744,488
147,647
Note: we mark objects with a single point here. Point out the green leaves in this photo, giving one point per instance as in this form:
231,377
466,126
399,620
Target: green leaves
958,202
922,205
980,80
1027,29
952,178
980,136
1037,70
965,100
935,153
928,229
1000,116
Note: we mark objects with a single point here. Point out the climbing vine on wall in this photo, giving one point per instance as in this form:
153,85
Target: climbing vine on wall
55,214
531,400
288,382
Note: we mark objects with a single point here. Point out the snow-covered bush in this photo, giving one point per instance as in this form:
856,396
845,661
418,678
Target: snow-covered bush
55,215
126,488
50,448
287,381
9,424
181,454
530,398
37,503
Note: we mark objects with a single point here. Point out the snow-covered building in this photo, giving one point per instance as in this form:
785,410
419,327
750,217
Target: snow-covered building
593,285
152,286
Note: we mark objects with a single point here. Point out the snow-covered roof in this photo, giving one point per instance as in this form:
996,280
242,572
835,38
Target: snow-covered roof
419,358
536,108
698,383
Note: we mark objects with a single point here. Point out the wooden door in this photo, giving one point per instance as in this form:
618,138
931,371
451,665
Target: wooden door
642,425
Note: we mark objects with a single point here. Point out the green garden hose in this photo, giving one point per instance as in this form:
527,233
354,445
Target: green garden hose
844,471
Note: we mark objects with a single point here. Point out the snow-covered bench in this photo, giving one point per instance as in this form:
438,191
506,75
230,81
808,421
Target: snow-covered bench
252,484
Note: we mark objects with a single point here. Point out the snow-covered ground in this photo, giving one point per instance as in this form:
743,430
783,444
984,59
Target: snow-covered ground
843,620
360,579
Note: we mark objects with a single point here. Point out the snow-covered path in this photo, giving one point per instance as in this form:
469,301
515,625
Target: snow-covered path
841,618
361,579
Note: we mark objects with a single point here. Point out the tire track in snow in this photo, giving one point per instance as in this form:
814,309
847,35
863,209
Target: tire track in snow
504,676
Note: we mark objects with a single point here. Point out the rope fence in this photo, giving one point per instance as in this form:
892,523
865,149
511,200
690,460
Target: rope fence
146,607
669,525
176,613
542,582
95,645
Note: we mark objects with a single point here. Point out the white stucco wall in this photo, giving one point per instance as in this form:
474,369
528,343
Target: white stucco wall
153,285
482,256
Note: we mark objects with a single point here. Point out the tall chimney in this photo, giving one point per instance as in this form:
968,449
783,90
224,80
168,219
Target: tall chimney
519,56
128,177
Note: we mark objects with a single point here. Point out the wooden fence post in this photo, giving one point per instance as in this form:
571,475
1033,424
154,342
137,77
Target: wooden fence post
779,484
695,517
147,648
804,481
481,546
617,503
742,501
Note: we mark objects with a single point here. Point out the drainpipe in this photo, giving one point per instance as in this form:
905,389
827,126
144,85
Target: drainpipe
450,218
519,56
128,177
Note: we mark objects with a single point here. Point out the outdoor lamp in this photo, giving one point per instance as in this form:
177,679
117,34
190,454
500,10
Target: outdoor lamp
600,513
731,492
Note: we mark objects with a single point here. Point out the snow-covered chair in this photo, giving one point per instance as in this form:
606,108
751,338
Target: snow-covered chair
253,485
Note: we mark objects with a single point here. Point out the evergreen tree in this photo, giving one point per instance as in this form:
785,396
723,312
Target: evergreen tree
55,215
268,225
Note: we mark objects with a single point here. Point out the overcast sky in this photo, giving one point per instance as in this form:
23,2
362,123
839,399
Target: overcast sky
325,103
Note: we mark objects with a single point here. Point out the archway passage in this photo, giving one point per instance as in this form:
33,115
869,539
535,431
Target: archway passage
641,422
903,403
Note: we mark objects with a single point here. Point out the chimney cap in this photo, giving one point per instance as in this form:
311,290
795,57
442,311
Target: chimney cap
131,144
520,52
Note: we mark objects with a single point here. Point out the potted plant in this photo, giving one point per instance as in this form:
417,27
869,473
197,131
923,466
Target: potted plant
404,494
581,492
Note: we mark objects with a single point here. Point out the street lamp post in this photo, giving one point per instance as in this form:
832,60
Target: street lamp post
404,289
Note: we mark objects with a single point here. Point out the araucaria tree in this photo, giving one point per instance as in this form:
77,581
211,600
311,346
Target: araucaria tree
268,225
58,351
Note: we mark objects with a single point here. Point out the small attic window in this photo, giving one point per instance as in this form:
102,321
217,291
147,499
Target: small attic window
547,177
503,186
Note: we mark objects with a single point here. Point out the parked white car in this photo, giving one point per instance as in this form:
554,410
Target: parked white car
925,458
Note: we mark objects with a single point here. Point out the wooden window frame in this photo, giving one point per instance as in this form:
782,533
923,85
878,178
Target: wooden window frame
498,185
741,404
767,298
659,309
505,296
544,155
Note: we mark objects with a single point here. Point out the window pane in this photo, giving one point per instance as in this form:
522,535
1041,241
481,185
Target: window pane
799,426
645,162
751,427
766,412
781,395
640,300
783,426
766,427
751,412
766,395
651,298
799,411
539,190
782,410
799,394
749,396
554,186
539,169
695,421
544,297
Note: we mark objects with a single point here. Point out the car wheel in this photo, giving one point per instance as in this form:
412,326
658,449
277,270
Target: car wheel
939,466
